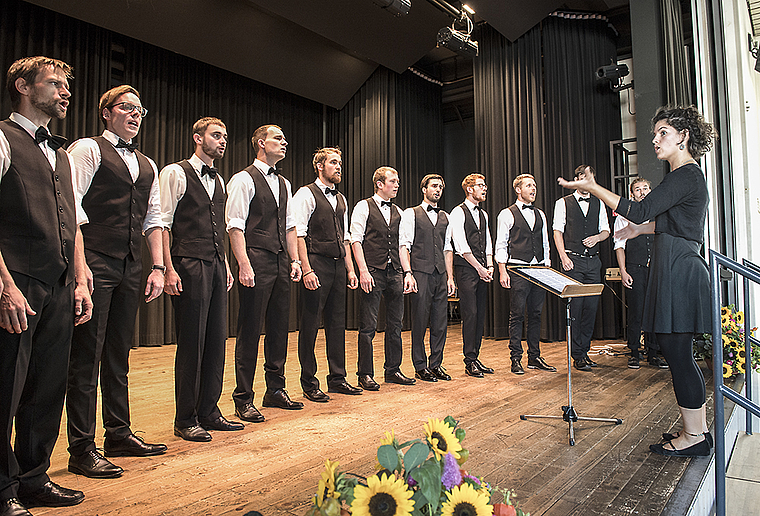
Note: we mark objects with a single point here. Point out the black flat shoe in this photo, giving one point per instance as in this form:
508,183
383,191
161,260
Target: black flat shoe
93,465
222,424
280,399
701,449
368,383
247,412
343,387
517,368
194,433
473,370
440,373
399,378
670,437
316,395
483,368
131,446
13,507
426,375
50,494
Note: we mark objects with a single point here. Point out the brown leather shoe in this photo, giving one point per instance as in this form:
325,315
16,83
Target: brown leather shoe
248,412
280,399
131,446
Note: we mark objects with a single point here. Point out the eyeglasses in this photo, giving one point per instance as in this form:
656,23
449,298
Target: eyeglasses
481,185
129,108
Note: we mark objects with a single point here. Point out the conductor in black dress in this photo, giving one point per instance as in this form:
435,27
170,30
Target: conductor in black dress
522,238
263,238
118,186
428,264
473,268
374,239
677,301
43,280
321,214
198,278
580,223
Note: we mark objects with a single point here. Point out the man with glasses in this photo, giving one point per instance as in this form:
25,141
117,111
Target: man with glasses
118,187
580,223
473,268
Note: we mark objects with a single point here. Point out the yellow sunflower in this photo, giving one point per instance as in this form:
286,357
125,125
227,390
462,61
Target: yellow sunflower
384,496
388,438
724,311
726,340
723,319
727,371
464,500
441,437
326,486
739,318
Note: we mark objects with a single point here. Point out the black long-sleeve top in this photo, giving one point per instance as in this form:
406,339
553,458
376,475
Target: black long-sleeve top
678,204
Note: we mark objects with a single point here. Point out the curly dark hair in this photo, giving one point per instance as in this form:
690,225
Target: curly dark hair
701,133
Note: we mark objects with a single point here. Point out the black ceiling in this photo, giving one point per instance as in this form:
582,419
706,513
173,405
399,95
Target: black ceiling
323,50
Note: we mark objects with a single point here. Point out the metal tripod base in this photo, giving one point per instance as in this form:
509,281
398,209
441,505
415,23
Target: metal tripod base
568,412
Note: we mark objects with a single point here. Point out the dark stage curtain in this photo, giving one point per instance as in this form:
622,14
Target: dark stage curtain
677,90
540,110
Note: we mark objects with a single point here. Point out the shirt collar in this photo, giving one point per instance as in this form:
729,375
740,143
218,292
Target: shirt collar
323,186
113,138
24,122
262,166
196,162
379,200
578,196
470,205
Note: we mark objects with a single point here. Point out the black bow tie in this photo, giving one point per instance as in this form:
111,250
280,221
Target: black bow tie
433,208
331,191
272,171
477,207
584,199
528,207
131,147
54,142
386,203
208,171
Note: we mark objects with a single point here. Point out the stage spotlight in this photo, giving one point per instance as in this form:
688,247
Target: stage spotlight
395,7
457,41
612,72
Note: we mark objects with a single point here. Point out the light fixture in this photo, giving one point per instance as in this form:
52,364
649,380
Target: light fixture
754,50
457,40
395,7
614,73
469,9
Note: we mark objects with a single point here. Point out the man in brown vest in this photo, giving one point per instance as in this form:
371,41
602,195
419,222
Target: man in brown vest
374,240
118,186
580,224
263,238
198,278
473,268
44,283
323,247
427,261
522,238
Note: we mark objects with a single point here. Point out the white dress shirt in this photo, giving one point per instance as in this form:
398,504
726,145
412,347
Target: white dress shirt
504,223
456,223
560,214
409,222
86,156
304,205
361,213
173,186
50,154
241,190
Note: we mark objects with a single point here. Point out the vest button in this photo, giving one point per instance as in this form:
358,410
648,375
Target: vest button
213,214
63,225
216,244
60,208
134,201
215,233
212,203
56,177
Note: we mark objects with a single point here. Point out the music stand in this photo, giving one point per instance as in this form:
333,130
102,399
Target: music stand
565,288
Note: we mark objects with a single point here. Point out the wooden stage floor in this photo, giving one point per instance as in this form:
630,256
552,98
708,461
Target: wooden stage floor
273,467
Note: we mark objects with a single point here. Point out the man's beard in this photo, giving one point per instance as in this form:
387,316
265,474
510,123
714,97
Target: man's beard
51,108
211,152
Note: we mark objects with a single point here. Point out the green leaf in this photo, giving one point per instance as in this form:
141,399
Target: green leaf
450,421
415,456
459,434
428,476
404,445
388,457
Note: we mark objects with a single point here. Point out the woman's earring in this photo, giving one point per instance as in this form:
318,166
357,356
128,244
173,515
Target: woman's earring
681,146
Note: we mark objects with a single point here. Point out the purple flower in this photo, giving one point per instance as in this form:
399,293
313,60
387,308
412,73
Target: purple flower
474,479
410,481
451,476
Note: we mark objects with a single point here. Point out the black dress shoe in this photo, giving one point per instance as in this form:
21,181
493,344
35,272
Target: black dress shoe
517,367
473,370
590,362
194,433
131,446
486,370
399,378
701,449
280,399
540,363
344,387
657,362
316,395
50,495
13,507
248,412
708,438
368,383
92,464
440,373
221,424
426,375
581,365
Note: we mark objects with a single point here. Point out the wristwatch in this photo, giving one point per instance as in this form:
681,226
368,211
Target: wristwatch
161,268
296,261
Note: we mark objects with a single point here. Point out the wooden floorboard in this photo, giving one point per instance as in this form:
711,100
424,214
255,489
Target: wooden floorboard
273,467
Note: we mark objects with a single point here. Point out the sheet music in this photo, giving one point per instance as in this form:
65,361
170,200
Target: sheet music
549,277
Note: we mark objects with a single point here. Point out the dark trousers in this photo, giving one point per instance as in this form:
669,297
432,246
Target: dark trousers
524,296
586,269
688,381
389,284
329,299
33,384
473,294
429,305
102,346
201,316
635,297
267,302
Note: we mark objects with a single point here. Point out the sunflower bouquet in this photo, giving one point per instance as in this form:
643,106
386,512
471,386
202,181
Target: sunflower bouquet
734,357
421,477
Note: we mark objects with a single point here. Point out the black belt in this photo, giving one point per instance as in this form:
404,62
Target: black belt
582,255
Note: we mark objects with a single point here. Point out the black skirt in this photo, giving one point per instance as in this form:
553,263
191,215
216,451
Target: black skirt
678,292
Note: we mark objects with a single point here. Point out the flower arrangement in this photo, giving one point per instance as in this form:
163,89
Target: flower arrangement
732,329
421,477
